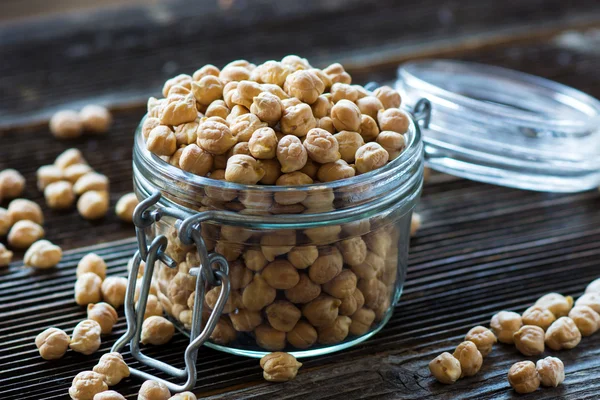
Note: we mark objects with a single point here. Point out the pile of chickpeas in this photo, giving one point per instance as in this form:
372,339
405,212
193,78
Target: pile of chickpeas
554,321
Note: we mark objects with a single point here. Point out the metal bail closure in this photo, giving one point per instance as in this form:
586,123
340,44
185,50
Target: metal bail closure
190,231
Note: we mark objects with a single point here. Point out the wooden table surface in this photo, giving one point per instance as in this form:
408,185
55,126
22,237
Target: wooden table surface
481,249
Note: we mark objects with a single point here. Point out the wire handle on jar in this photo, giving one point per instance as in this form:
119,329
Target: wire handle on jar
189,230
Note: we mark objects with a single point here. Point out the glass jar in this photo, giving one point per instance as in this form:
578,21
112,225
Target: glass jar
312,269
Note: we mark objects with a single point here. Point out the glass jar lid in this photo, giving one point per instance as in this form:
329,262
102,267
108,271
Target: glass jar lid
505,127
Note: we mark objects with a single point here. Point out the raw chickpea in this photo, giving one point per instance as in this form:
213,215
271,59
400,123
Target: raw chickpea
196,160
255,200
86,337
304,291
483,338
558,304
244,93
161,141
267,107
393,119
349,142
88,289
263,143
290,102
66,124
181,79
563,334
415,224
5,221
538,316
370,267
445,368
22,209
254,259
187,133
302,257
180,286
279,367
277,243
321,107
12,183
113,290
48,174
208,89
108,395
326,123
152,390
113,367
149,124
179,111
327,266
529,340
157,331
291,154
586,319
154,306
239,148
369,105
272,72
362,320
5,256
374,292
24,233
392,142
303,336
551,371
297,120
42,254
269,338
239,275
505,324
388,97
234,73
593,287
126,206
337,73
370,156
368,128
379,242
469,357
295,178
104,314
304,85
319,199
591,300
281,274
215,137
217,109
206,70
93,204
322,311
224,332
283,315
311,168
245,125
334,171
258,294
321,146
346,116
336,332
91,181
73,172
349,305
59,195
342,285
343,91
523,377
295,63
52,343
245,320
323,77
95,118
184,396
243,169
276,90
155,107
92,263
86,385
69,157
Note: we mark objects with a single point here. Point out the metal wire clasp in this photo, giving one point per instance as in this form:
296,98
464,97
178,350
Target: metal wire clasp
212,271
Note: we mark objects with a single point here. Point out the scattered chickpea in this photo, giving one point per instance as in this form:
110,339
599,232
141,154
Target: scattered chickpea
558,304
48,174
415,224
279,367
591,300
563,334
66,124
157,331
92,262
243,169
586,319
91,181
505,324
483,338
104,314
302,336
593,287
69,157
113,367
297,119
24,233
93,204
551,371
153,390
73,172
126,206
469,357
86,385
108,395
86,337
52,343
184,396
523,377
59,195
346,116
445,368
5,256
23,209
12,183
529,340
88,289
538,316
370,156
269,338
42,254
95,118
113,290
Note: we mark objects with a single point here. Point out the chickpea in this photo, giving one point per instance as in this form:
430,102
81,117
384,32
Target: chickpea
73,172
291,154
152,390
149,124
551,371
12,183
591,300
113,367
295,63
234,73
52,343
91,181
374,292
326,123
217,108
22,209
281,274
483,338
272,72
88,289
415,224
388,97
311,168
5,256
370,267
113,290
334,171
322,311
469,357
245,320
302,336
362,320
346,116
196,160
95,118
258,294
297,120
369,105
322,146
319,199
277,243
108,395
529,340
126,206
59,195
239,275
69,157
263,143
207,89
43,254
215,137
538,316
563,334
24,233
245,125
104,314
327,266
161,141
368,128
186,133
350,304
279,367
5,221
304,85
206,70
290,102
337,73
445,368
154,307
343,91
276,90
243,169
343,285
223,332
304,291
505,324
370,156
66,124
321,107
283,315
181,80
558,304
349,143
267,107
86,385
269,338
86,337
184,396
179,110
586,319
336,332
254,259
93,204
48,174
239,148
302,257
593,287
92,263
523,377
157,331
392,142
393,119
